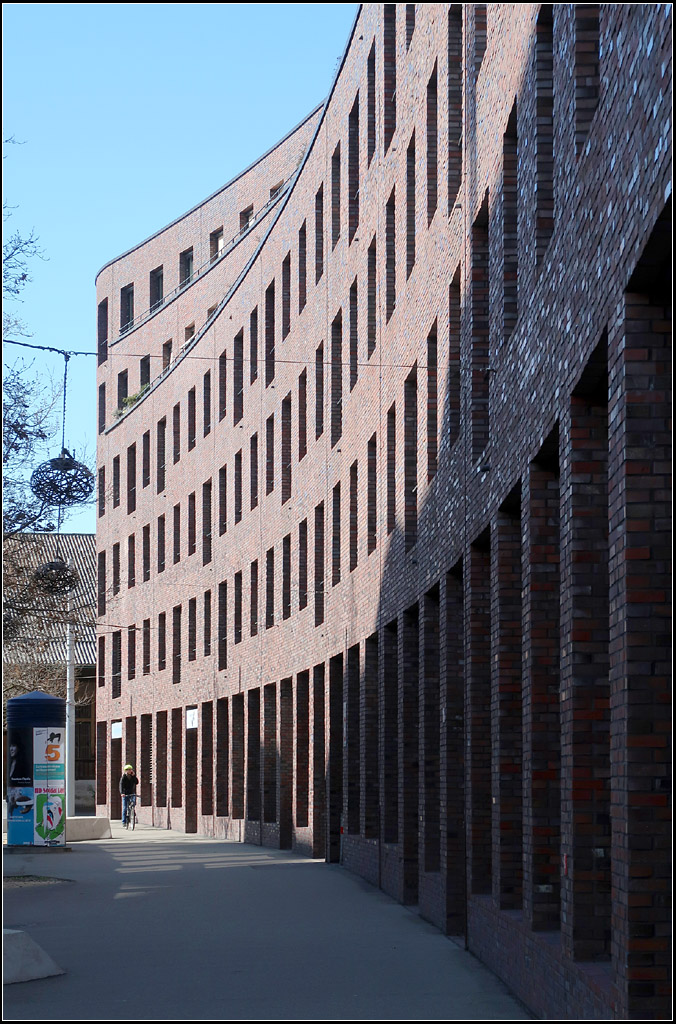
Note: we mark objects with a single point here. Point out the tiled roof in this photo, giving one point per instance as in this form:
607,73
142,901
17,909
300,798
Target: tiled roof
42,618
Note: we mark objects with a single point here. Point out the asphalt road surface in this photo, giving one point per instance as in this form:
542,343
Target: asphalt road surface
156,925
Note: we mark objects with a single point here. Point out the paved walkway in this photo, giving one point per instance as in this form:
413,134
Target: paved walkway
156,925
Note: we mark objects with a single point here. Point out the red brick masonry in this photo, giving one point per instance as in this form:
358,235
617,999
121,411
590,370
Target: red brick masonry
384,513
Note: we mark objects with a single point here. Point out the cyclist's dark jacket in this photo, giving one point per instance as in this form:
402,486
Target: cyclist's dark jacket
128,784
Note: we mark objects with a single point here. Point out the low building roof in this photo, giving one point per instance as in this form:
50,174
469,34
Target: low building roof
39,620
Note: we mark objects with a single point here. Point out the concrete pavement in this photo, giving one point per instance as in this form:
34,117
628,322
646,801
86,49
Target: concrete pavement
157,925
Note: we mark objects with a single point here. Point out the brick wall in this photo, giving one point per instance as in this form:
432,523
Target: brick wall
437,638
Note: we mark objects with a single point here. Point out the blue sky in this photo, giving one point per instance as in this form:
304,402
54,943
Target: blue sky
129,115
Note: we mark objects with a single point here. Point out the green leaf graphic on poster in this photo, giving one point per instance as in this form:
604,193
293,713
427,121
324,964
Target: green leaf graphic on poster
49,817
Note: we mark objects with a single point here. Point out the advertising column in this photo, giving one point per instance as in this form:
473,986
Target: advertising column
36,770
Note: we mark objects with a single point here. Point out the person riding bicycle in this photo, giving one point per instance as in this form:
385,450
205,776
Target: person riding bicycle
128,784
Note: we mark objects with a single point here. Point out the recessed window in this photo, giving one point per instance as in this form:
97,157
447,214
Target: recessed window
122,388
166,354
103,331
185,267
144,371
145,471
156,288
246,218
102,408
216,244
161,453
276,189
191,419
189,333
116,481
126,307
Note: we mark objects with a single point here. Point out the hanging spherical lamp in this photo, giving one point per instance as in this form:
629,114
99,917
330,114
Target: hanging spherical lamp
57,577
62,482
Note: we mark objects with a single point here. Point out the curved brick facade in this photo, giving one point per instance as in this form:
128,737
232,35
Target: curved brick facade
383,541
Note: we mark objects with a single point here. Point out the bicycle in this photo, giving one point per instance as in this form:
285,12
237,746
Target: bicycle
130,821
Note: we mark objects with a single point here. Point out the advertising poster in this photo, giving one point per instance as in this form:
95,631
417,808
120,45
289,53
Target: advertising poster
49,778
20,795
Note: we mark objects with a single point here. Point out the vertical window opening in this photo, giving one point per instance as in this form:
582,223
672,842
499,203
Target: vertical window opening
177,533
371,104
253,470
238,378
206,522
126,308
371,498
270,454
389,73
302,565
253,625
161,641
222,626
146,552
253,345
131,561
432,146
269,588
176,644
480,331
102,408
270,334
319,391
410,207
286,296
410,23
192,415
335,546
319,234
222,500
336,378
207,623
510,238
391,468
411,458
238,608
390,256
432,403
131,479
353,169
207,402
222,385
161,538
371,325
302,267
161,453
335,196
145,468
238,486
156,288
192,629
302,415
286,449
177,432
146,647
192,526
319,564
544,134
102,331
286,576
354,515
354,335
